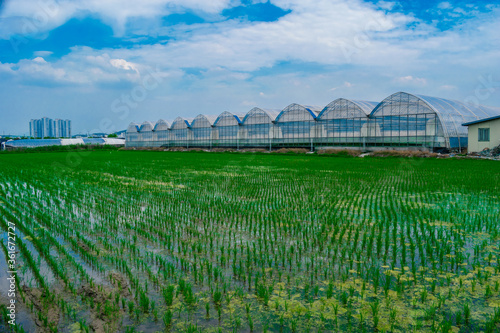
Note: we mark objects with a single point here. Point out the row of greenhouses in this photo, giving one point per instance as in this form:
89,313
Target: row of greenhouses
400,120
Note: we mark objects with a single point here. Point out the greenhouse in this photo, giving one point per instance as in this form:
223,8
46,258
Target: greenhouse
102,141
132,135
146,133
400,120
36,143
257,128
296,125
201,127
227,129
161,133
404,119
180,134
344,122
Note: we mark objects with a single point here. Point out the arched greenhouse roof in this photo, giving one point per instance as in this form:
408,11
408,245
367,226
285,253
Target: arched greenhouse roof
227,118
146,126
297,112
256,112
202,120
180,123
343,108
452,114
161,125
103,141
133,128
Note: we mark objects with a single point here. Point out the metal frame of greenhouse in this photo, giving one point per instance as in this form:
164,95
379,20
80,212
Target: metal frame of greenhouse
400,120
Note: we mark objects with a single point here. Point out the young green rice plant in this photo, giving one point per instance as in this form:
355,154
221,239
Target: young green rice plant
466,311
168,318
488,292
250,323
131,306
445,326
375,307
238,230
423,295
207,310
430,313
392,318
168,294
219,313
458,318
217,296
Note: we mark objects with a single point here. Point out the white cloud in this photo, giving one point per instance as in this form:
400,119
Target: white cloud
444,5
448,87
248,103
6,68
39,60
387,5
384,54
328,32
324,32
405,80
32,17
79,67
123,64
39,69
43,53
346,84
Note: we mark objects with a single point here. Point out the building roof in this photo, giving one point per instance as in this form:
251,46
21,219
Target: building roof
204,120
33,143
299,112
343,108
229,118
270,113
452,114
481,120
146,126
161,125
132,128
180,123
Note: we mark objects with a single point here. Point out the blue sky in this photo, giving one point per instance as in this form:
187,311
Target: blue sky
104,64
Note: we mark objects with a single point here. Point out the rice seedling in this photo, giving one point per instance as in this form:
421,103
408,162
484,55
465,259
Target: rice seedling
270,242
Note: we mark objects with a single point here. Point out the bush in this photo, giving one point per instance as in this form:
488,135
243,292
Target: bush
339,152
402,153
291,151
222,150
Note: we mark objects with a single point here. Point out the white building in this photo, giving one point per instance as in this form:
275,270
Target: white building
483,133
46,127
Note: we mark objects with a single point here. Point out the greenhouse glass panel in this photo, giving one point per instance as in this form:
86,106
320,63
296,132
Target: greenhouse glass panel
161,133
296,125
93,141
202,128
132,135
404,119
180,134
226,129
257,127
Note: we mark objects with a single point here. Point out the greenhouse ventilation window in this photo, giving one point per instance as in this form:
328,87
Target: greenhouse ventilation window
484,134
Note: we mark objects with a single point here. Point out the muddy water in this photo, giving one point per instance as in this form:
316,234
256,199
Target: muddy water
43,266
23,315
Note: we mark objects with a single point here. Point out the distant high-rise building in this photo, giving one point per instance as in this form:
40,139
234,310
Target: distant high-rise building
46,127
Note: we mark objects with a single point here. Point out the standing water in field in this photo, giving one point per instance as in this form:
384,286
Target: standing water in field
151,241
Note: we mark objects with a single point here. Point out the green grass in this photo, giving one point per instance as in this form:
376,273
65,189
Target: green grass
253,242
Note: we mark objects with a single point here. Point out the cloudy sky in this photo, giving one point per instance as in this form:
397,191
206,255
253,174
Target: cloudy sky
106,63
